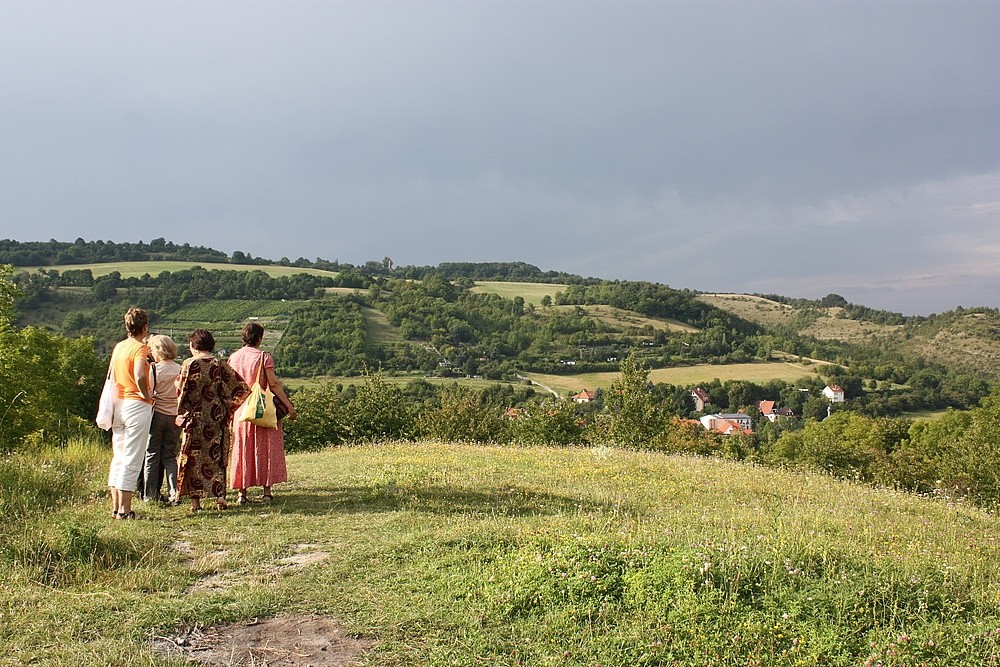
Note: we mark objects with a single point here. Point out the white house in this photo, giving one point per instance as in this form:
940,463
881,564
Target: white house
834,392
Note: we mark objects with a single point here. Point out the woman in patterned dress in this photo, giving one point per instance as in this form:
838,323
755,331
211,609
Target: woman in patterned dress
258,453
209,393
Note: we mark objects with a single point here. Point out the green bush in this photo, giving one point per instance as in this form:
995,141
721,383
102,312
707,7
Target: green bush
462,417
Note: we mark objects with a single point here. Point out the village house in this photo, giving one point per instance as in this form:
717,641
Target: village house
727,424
585,396
701,399
834,392
770,411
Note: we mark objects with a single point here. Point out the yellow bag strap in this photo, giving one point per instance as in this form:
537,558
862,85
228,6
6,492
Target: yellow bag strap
260,367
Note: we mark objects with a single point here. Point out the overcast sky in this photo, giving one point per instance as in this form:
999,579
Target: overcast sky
798,147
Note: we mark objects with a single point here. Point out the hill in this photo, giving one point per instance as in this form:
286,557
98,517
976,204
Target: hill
503,321
432,553
966,339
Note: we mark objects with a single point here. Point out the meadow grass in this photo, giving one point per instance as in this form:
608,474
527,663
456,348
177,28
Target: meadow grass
155,267
448,554
530,292
759,372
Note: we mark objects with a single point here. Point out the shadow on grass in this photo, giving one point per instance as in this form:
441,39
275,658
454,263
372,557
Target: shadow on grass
505,501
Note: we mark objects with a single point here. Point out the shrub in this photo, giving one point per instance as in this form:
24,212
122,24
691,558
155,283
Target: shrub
462,417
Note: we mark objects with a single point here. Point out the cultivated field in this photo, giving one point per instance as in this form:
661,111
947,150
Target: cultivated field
153,268
530,292
683,375
447,554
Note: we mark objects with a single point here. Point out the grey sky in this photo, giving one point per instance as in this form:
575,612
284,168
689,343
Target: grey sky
792,147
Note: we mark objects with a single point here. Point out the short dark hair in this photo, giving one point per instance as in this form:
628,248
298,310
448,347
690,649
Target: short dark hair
202,340
136,320
253,333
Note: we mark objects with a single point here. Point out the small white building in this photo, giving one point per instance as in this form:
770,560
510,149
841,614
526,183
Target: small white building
834,392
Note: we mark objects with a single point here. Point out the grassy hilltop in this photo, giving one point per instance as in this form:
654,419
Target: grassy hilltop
448,554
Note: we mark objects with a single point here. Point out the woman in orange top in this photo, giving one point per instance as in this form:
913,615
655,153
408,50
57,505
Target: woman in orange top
133,412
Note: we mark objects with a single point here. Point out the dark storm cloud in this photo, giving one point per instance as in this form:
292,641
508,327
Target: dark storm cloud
790,147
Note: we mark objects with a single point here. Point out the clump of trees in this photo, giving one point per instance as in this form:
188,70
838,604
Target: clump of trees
49,384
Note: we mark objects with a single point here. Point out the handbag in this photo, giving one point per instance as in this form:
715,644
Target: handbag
109,397
259,407
280,409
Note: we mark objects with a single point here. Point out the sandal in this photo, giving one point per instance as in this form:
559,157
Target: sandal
126,516
242,499
266,498
221,504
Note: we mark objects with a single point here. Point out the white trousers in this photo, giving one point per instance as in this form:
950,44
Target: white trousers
129,435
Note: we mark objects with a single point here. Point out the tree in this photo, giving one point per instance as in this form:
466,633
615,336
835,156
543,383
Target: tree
8,294
635,420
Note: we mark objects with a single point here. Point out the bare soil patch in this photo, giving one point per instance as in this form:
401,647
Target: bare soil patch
285,641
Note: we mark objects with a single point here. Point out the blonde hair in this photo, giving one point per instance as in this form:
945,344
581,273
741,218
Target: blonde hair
163,347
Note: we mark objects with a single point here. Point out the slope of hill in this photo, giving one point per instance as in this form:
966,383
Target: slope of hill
966,339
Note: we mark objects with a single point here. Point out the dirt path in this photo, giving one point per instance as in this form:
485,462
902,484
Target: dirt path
539,384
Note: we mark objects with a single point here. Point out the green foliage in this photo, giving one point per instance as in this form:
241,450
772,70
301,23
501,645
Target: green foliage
328,415
325,336
377,412
320,422
8,294
462,416
548,423
846,444
47,383
635,420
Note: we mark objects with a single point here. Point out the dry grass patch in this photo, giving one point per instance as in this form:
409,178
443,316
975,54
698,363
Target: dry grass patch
754,308
841,328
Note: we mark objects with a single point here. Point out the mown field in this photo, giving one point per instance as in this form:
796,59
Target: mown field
153,268
447,554
684,375
530,292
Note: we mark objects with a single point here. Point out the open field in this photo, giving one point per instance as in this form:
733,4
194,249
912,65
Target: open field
530,292
841,328
447,554
683,375
138,269
823,324
378,329
622,320
753,308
